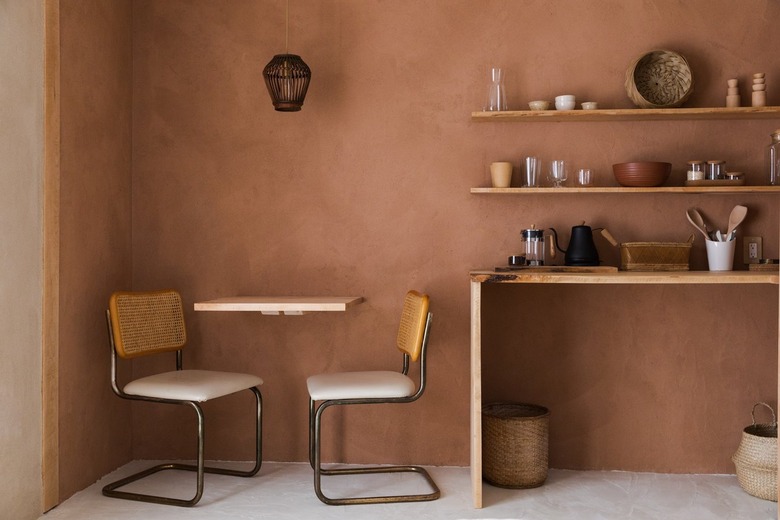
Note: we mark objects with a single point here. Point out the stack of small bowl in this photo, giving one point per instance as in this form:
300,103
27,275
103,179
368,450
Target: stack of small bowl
642,174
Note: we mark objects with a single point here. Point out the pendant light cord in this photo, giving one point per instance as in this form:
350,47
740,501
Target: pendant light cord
287,29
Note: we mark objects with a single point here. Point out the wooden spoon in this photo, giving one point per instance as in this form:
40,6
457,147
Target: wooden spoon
735,219
695,218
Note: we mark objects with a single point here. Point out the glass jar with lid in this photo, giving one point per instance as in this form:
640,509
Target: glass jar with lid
774,159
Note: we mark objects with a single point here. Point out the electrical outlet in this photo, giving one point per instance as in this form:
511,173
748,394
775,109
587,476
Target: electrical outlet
752,250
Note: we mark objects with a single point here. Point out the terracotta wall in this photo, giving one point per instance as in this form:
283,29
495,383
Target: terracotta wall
94,436
366,192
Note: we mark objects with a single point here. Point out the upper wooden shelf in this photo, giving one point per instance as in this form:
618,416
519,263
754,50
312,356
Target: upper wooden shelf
619,189
629,114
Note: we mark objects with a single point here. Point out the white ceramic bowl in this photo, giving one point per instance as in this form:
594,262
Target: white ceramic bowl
590,105
565,102
539,105
565,105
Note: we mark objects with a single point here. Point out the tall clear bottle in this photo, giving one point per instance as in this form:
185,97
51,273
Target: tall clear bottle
496,96
774,159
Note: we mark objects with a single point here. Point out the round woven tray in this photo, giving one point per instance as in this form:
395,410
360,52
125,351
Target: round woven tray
756,458
515,444
659,79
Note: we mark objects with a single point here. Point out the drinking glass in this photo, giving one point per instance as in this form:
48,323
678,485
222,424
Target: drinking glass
558,172
532,167
584,177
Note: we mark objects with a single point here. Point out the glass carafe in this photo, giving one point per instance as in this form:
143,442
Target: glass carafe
496,97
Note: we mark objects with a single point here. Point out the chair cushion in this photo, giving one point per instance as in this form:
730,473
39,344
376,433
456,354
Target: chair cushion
191,385
360,385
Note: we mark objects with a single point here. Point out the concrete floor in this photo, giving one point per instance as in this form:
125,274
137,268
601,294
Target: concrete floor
284,491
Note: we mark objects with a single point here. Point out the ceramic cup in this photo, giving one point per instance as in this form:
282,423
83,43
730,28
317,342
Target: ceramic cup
565,102
720,255
501,174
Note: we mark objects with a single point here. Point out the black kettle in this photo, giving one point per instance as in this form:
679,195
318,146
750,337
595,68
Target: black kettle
582,249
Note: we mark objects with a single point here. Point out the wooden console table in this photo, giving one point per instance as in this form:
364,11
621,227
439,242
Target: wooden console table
530,276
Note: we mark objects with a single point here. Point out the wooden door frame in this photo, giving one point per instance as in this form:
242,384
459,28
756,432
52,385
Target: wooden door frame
51,259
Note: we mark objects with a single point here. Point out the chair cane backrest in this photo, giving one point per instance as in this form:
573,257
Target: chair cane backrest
147,322
412,329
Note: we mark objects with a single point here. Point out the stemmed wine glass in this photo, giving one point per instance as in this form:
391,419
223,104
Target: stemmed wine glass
558,172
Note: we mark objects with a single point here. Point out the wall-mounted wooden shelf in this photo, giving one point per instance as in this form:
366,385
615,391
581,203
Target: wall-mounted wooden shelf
628,114
619,189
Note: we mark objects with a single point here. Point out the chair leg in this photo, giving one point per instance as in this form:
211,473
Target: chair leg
315,422
110,490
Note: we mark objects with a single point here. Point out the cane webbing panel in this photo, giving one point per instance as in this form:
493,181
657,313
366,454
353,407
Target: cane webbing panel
412,328
147,322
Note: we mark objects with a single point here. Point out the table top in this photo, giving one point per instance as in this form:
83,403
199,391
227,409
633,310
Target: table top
566,276
275,305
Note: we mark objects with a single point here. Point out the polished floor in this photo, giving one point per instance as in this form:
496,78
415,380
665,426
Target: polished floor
284,491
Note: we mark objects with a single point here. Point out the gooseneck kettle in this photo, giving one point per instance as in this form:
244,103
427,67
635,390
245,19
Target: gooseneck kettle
582,249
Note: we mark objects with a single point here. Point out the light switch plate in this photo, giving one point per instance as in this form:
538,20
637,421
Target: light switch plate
753,250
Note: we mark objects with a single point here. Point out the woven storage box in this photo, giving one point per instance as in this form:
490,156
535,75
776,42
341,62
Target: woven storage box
515,444
756,458
655,256
659,79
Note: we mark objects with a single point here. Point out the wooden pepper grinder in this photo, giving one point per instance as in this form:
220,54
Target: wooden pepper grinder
732,95
759,90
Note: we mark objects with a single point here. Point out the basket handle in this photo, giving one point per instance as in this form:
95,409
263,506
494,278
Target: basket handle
753,413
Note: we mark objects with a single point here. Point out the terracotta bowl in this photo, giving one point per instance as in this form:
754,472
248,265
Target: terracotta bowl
642,174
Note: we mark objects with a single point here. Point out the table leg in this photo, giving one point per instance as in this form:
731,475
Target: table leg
476,393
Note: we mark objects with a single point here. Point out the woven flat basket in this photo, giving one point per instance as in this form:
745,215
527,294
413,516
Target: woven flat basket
515,444
655,256
756,458
659,79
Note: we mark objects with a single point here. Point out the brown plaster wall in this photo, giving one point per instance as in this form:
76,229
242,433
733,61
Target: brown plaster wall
366,192
94,437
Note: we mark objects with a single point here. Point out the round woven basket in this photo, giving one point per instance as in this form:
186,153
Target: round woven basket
515,444
659,79
756,458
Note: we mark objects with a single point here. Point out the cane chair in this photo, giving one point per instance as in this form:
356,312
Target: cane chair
375,387
147,323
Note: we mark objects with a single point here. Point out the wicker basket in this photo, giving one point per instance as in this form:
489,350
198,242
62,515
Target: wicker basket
659,79
756,458
656,256
515,444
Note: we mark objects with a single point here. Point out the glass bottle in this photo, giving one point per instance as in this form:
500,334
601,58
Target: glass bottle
774,159
496,98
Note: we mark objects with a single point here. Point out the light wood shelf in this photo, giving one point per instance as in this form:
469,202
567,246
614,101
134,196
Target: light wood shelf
628,114
619,189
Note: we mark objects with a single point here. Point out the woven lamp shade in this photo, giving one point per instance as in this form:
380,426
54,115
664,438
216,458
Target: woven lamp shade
287,78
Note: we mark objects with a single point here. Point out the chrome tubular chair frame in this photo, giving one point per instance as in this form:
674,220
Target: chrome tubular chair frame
315,427
110,490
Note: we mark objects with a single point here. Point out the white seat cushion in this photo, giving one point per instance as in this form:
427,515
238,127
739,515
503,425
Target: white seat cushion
360,385
191,385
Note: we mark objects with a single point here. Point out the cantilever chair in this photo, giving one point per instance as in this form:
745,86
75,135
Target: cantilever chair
373,387
146,323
